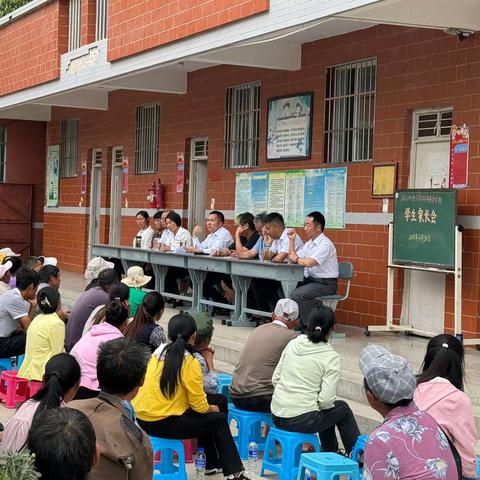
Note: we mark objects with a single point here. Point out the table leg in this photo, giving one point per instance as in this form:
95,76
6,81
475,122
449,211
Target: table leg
288,288
126,264
197,277
240,318
160,272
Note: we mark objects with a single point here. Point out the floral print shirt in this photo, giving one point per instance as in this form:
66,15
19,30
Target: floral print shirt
409,445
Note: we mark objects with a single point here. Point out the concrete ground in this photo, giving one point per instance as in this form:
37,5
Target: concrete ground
228,342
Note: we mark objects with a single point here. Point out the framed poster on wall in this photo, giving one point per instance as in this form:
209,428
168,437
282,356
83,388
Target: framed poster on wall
289,127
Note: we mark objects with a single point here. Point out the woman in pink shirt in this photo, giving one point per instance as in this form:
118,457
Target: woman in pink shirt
440,393
86,349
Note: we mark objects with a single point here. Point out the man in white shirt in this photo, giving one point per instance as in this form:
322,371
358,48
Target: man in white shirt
166,233
218,238
276,245
319,257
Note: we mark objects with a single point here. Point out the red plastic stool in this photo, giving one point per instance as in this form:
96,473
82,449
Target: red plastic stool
187,445
13,389
34,387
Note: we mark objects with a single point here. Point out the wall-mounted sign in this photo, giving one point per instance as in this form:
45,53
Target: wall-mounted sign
124,174
180,172
289,127
384,180
51,189
459,150
83,177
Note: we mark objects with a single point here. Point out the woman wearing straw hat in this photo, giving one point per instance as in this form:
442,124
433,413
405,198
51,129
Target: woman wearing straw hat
136,280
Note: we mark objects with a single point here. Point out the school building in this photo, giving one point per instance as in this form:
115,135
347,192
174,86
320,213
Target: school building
109,96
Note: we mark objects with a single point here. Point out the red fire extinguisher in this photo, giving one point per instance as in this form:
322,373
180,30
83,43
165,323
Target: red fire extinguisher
156,195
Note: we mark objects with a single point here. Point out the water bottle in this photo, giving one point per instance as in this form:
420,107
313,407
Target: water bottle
308,475
200,463
252,463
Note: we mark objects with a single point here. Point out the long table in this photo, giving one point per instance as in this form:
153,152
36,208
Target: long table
241,271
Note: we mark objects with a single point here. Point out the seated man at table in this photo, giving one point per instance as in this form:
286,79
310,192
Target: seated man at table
251,387
218,238
319,257
276,247
166,233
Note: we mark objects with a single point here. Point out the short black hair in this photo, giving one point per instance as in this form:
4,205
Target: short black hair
261,218
121,365
158,215
175,218
401,403
318,219
48,299
30,262
16,263
107,277
275,217
246,218
219,214
144,214
64,443
27,277
47,272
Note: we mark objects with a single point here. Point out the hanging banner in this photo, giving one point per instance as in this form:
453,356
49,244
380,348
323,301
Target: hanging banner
51,189
459,150
83,178
124,174
180,177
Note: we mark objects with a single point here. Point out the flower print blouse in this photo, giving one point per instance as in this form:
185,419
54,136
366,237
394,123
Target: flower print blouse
409,445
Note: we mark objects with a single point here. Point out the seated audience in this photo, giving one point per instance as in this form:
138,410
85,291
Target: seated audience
204,354
87,302
143,239
17,307
252,387
60,384
46,261
64,444
276,248
45,336
5,276
305,380
94,267
125,450
136,280
33,263
144,326
172,403
118,292
319,257
409,444
440,393
86,350
16,264
50,277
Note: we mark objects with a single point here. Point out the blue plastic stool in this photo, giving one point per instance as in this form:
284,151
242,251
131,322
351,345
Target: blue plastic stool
6,363
224,381
249,424
327,466
478,466
286,466
165,469
359,447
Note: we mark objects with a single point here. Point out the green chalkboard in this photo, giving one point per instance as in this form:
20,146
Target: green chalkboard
424,227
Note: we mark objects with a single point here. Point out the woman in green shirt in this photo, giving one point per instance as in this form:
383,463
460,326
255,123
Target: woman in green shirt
136,280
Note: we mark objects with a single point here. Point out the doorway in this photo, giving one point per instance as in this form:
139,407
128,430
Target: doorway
116,196
95,200
197,181
423,304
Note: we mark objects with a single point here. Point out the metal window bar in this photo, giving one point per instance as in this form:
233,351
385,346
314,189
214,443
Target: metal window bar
3,152
147,138
117,155
74,24
200,149
434,124
349,112
101,20
242,121
69,148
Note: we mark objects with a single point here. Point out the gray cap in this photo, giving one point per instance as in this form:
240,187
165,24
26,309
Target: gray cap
389,376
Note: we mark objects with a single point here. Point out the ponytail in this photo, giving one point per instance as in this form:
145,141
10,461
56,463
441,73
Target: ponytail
320,323
152,304
48,300
180,328
116,313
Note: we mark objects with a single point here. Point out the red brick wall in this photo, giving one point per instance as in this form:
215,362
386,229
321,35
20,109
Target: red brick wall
137,26
30,47
87,32
416,69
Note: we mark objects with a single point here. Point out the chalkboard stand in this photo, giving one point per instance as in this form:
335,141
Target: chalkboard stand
457,272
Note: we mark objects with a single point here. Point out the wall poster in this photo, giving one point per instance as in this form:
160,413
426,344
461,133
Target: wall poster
289,127
459,150
53,158
294,194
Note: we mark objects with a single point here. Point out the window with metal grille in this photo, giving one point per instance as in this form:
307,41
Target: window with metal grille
242,125
101,20
69,148
350,111
117,155
436,123
3,152
147,138
200,149
74,24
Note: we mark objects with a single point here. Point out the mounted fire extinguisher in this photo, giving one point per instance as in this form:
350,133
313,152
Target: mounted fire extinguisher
156,195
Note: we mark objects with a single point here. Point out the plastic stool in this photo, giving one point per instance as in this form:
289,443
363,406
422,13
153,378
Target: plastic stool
359,447
249,424
187,445
327,466
34,387
286,466
5,364
478,466
224,381
163,466
13,389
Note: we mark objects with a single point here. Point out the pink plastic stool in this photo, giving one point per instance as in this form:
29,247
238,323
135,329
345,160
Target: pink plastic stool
34,387
187,445
13,389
